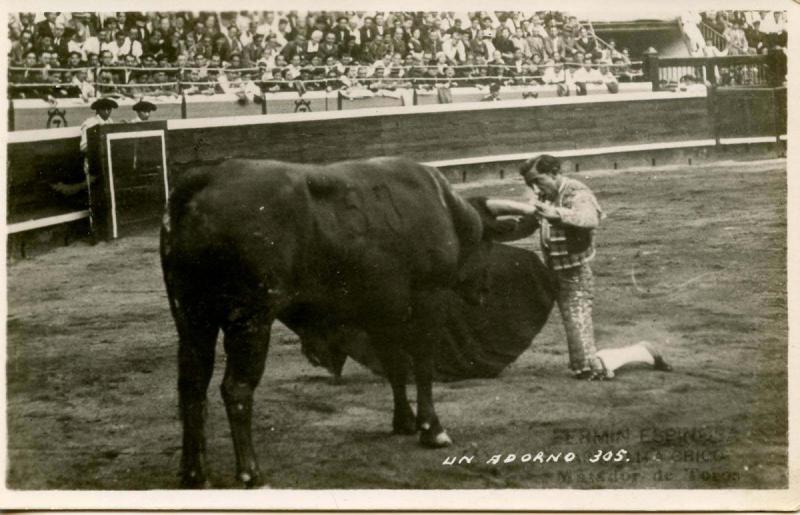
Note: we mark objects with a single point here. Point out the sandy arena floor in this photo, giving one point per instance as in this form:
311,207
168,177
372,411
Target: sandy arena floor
92,402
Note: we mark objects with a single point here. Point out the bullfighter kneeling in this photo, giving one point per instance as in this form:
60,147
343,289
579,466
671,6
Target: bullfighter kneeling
568,214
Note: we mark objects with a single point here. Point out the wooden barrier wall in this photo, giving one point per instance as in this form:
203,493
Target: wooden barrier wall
39,159
448,131
750,112
36,168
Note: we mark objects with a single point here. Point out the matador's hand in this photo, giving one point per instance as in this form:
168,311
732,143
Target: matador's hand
547,211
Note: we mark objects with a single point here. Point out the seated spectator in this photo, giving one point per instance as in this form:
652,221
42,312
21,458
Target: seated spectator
497,66
755,38
536,46
329,47
455,49
572,27
609,79
586,75
132,44
586,43
555,74
521,42
255,49
235,61
517,64
735,38
162,85
503,44
494,93
399,44
92,60
215,62
85,88
62,87
711,50
106,87
196,85
272,80
116,46
480,73
355,85
415,43
555,47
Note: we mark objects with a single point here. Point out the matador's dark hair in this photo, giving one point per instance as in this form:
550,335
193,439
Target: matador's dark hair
544,163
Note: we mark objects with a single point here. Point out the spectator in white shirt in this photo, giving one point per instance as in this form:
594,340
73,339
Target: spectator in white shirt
132,46
586,75
455,49
116,46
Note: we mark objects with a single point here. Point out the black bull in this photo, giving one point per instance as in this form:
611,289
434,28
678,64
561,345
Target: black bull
382,248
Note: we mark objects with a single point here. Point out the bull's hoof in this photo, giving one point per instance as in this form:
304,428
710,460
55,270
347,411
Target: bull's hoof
251,479
435,441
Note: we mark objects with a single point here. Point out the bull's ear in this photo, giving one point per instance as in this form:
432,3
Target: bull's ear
502,228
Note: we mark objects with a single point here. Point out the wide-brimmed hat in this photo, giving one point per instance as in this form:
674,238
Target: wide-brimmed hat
104,103
144,105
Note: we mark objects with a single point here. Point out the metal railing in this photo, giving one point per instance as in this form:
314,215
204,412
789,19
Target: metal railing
480,74
742,70
710,34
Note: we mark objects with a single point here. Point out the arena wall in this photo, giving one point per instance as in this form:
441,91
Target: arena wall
468,139
446,131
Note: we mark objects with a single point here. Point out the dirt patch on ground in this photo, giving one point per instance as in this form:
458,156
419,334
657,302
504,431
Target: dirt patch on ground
693,258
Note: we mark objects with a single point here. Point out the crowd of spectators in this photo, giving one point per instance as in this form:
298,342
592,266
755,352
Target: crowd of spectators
168,53
719,33
745,32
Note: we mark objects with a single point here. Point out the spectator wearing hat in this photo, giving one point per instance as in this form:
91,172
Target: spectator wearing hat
341,32
143,110
47,26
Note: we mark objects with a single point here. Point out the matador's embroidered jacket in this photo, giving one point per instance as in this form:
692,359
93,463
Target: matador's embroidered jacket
569,242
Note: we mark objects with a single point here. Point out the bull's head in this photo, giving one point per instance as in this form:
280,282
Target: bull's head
473,278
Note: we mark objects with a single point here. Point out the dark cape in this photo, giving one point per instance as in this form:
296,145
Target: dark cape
480,340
